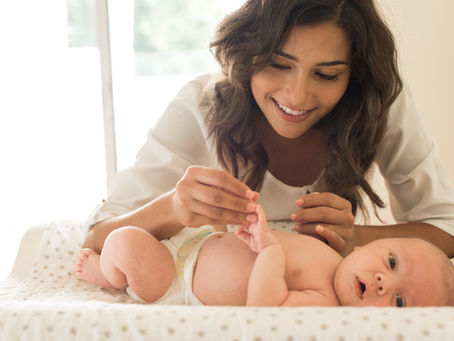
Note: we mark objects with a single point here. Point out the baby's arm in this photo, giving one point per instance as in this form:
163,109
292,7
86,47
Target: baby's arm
267,286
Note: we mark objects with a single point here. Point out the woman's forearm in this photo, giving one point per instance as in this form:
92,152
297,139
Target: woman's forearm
155,217
440,238
267,285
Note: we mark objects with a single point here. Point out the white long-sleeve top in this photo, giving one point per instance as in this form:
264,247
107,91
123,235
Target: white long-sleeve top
419,187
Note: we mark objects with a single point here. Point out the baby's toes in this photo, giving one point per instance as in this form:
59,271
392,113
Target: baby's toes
78,267
86,252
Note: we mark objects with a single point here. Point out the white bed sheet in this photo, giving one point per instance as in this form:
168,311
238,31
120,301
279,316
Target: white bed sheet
42,299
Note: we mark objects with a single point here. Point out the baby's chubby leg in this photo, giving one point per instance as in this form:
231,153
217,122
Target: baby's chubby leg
132,256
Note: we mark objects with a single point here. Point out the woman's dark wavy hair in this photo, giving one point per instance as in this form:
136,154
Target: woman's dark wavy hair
244,44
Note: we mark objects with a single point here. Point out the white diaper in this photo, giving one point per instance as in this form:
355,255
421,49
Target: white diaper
184,248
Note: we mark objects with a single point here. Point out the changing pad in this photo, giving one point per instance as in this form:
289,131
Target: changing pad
43,299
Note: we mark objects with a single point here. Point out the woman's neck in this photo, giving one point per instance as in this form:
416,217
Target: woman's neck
296,162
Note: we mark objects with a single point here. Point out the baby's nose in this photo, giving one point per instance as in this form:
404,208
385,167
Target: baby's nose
381,285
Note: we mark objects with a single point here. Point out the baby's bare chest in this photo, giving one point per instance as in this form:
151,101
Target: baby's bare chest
309,264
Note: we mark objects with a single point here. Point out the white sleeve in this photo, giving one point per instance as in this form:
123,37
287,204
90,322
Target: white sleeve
420,188
177,141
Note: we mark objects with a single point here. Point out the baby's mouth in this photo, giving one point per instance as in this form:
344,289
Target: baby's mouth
360,288
363,288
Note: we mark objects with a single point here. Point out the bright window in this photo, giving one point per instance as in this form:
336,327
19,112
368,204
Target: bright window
51,126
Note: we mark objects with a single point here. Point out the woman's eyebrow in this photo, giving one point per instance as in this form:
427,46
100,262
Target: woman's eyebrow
331,63
285,55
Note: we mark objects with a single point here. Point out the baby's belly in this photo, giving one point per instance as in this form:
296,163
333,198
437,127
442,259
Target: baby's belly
222,271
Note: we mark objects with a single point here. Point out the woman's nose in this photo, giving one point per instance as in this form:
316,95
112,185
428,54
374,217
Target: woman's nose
298,92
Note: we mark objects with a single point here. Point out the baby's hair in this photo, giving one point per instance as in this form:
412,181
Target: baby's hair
447,268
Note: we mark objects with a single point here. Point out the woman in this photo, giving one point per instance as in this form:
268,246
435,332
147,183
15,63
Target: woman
308,99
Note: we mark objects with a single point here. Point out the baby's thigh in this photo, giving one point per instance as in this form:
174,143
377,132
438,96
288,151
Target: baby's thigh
147,263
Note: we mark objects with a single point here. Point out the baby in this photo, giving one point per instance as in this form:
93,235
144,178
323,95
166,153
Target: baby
258,267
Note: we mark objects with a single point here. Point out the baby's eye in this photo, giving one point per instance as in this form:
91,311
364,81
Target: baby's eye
392,261
399,301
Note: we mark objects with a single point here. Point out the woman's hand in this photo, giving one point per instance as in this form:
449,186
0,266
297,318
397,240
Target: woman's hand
328,217
206,196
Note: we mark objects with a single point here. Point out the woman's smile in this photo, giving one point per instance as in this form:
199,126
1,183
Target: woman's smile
304,80
292,115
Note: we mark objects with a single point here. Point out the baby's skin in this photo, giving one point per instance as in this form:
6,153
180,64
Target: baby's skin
224,265
258,267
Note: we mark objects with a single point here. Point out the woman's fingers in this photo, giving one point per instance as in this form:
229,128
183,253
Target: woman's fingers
218,197
328,217
323,214
219,179
334,240
222,214
326,208
205,195
323,199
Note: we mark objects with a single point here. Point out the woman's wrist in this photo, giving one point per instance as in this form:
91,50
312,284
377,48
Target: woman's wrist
160,217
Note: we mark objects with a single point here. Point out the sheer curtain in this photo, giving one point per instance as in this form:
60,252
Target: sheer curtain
51,134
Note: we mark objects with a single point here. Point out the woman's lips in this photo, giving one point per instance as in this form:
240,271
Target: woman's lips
289,117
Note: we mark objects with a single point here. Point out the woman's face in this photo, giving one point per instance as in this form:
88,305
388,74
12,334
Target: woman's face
305,79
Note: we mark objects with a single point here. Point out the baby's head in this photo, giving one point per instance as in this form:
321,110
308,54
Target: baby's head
395,272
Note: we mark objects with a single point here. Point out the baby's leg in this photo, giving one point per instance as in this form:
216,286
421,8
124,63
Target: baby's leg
132,256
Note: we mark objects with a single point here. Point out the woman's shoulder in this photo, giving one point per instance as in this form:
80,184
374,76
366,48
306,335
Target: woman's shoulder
403,107
183,128
193,100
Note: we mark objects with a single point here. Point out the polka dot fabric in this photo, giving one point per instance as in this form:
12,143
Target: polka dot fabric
51,303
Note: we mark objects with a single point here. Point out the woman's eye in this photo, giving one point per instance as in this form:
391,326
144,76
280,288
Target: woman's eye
392,262
399,301
279,66
327,77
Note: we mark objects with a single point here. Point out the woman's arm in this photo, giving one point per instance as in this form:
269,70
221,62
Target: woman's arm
329,216
203,196
152,217
420,190
173,182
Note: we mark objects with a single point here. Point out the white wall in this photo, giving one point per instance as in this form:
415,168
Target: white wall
425,35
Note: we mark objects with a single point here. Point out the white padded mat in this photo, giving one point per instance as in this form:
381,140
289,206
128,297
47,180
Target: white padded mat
44,300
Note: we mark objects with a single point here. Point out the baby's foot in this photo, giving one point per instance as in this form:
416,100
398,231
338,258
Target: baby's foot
88,269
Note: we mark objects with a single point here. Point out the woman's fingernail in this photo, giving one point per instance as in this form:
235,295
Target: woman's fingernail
300,202
251,217
251,206
249,194
293,217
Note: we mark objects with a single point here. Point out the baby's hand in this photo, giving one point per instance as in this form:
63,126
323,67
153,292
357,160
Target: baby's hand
257,235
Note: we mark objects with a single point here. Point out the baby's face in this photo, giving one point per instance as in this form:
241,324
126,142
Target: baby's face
400,272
